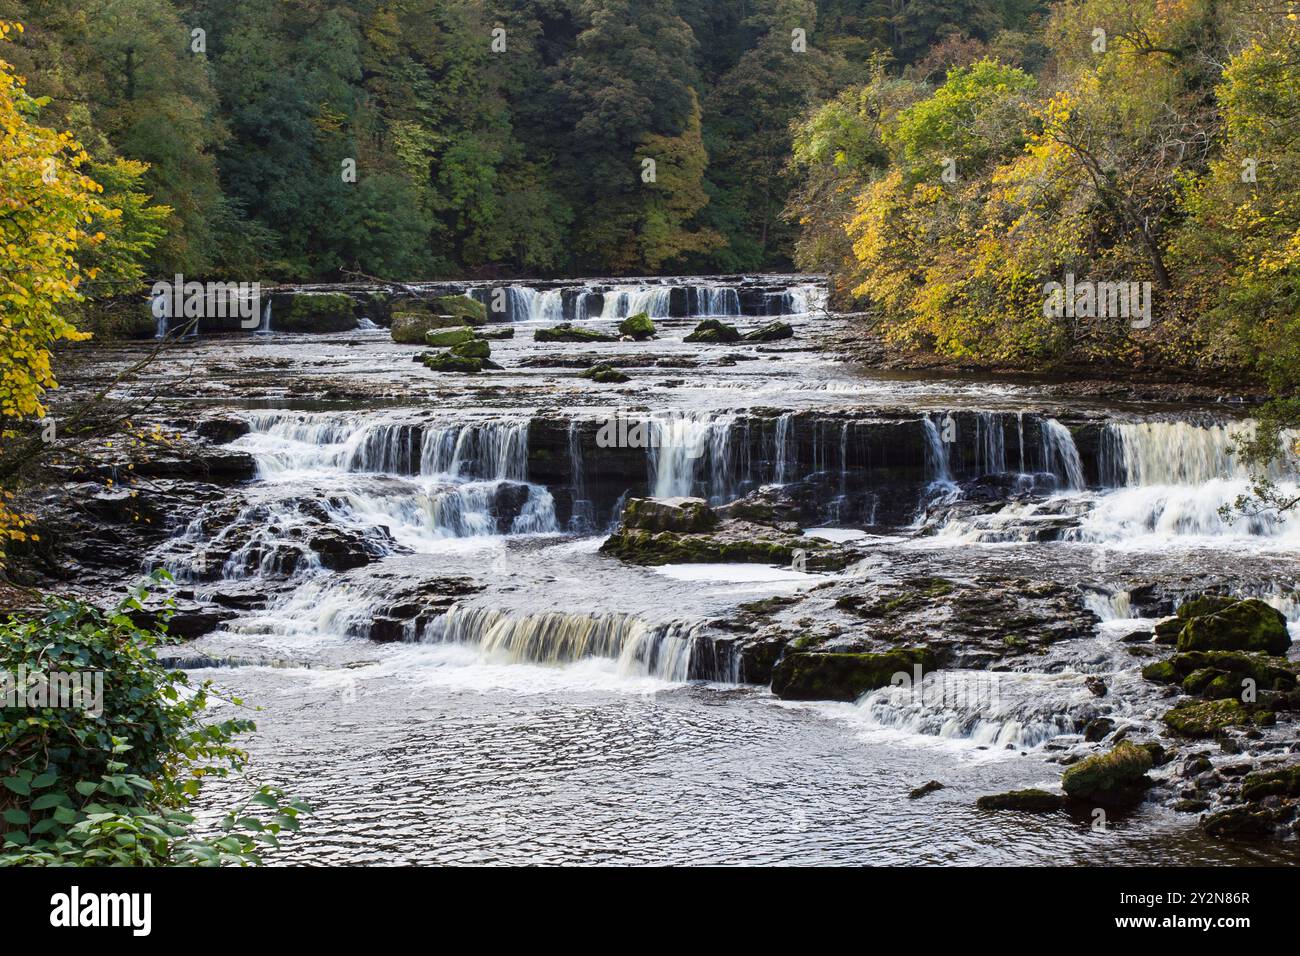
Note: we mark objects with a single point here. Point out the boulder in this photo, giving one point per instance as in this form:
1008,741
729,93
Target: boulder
1117,778
1208,718
605,374
1249,625
638,327
448,337
712,331
669,514
567,332
412,328
846,677
772,332
474,349
449,362
1026,801
502,332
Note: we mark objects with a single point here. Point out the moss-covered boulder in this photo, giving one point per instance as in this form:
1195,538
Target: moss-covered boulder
315,312
638,327
1117,778
1249,625
649,548
772,332
472,311
1282,782
1220,674
1208,718
1026,801
714,331
450,362
566,332
411,328
474,348
606,374
445,338
816,676
669,514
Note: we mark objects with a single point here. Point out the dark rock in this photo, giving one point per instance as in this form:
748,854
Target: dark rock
1117,778
1027,801
817,676
925,790
713,331
772,332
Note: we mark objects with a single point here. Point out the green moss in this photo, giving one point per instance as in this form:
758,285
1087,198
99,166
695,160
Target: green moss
605,374
637,326
1282,782
448,362
1028,801
1160,672
410,328
1249,625
772,332
572,333
468,311
475,349
815,676
1207,718
446,337
712,331
1114,778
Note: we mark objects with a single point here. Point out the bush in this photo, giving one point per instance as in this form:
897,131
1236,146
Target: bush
106,782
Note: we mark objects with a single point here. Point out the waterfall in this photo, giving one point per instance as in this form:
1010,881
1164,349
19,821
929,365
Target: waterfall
582,518
496,449
1174,479
990,444
784,430
936,453
161,307
621,302
983,708
678,445
265,327
710,300
1060,455
557,637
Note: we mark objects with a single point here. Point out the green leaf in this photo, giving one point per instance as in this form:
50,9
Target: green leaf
18,785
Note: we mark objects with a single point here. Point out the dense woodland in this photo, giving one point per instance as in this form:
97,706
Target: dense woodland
940,159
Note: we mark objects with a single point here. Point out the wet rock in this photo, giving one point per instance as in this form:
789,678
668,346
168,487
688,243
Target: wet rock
222,429
413,328
772,332
505,332
638,327
1098,729
846,677
1117,778
1221,624
450,362
1222,674
447,337
714,331
182,620
1283,782
1096,686
1207,718
567,332
605,374
473,349
1240,822
1026,801
925,790
687,515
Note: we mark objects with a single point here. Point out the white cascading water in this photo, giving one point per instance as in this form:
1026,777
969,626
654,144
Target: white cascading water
682,446
417,481
556,637
619,303
1176,478
1061,456
997,710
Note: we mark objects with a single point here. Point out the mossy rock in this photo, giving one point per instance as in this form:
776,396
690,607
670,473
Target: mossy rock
315,312
1205,604
411,328
468,311
1116,778
567,332
712,331
500,332
606,374
1160,672
1282,782
638,327
1249,625
449,362
1240,822
1027,801
1196,670
772,332
818,676
474,348
449,337
1207,718
691,515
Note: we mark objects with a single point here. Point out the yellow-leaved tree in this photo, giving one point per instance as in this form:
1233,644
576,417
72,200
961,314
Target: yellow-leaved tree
47,207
